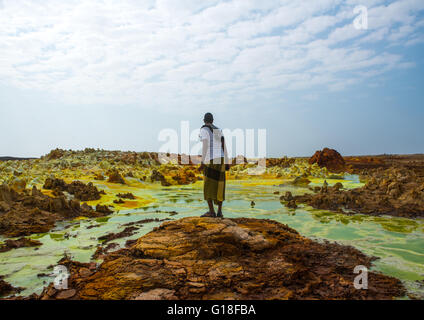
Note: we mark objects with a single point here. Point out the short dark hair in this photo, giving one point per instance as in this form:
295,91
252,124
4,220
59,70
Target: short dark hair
208,117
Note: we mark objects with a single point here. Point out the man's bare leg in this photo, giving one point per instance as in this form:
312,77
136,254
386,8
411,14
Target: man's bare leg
219,213
211,207
211,212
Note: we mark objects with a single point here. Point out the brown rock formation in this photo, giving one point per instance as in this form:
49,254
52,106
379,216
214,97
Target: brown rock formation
55,154
209,258
288,200
99,176
19,243
157,176
129,158
127,195
26,213
115,177
356,164
279,162
184,176
81,191
394,191
330,159
84,192
103,209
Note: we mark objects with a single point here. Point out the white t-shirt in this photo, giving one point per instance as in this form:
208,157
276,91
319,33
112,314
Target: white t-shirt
215,144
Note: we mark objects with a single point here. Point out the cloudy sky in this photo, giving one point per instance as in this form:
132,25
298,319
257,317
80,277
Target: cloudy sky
113,74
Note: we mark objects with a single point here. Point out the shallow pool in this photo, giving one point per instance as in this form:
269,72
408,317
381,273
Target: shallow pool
398,242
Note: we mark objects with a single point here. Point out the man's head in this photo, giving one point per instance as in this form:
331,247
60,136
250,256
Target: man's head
208,118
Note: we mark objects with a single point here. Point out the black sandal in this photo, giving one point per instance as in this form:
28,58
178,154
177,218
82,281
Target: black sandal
219,215
208,215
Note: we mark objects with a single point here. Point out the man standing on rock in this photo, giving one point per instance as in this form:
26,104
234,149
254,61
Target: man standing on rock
214,164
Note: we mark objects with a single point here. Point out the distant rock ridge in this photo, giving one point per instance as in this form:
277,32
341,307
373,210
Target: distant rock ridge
15,158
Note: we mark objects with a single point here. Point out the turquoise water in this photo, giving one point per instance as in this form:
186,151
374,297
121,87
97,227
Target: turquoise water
398,242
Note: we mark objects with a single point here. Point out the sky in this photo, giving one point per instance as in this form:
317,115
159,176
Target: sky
114,74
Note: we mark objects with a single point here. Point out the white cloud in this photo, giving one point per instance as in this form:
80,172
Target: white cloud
168,53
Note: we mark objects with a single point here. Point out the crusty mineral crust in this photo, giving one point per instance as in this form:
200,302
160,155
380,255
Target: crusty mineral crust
210,258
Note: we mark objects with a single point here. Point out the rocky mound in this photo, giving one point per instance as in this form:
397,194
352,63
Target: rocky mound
209,258
394,191
55,154
157,176
115,177
330,159
81,191
127,195
31,212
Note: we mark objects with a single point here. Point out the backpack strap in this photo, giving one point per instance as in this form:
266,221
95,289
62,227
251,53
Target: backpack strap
211,129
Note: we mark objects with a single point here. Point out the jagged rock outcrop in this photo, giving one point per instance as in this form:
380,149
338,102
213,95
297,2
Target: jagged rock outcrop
330,159
394,191
80,190
127,195
209,258
115,177
31,212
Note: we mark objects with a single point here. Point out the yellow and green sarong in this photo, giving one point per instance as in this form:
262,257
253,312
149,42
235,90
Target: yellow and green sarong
214,181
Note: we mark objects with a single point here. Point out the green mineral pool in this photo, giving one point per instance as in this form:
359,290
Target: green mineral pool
398,242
